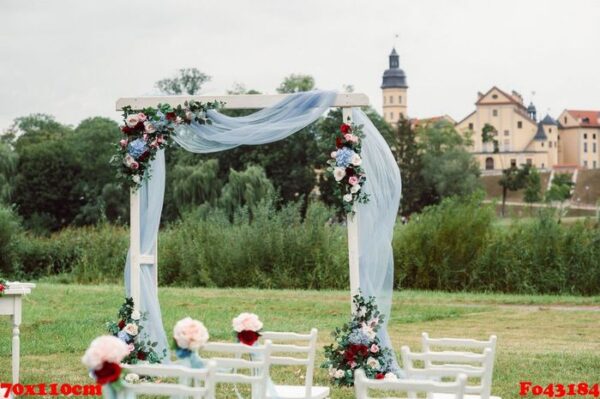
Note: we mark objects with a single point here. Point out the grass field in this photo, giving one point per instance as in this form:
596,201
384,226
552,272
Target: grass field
544,339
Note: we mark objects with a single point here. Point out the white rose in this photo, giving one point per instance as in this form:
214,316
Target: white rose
128,160
373,363
132,120
247,322
132,378
356,160
354,189
339,173
149,127
339,374
131,329
333,154
348,197
104,349
368,331
390,376
189,115
135,315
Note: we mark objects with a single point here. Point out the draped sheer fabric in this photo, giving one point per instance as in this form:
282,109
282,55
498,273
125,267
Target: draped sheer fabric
375,220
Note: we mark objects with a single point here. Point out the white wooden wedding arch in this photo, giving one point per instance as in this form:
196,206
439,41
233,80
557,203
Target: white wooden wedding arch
345,101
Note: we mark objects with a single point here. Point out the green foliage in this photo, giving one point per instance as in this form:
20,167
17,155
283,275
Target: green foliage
533,187
186,81
560,189
245,189
513,179
10,228
439,248
194,185
8,170
448,168
295,83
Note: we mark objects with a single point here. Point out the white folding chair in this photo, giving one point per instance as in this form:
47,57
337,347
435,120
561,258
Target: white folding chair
229,368
287,350
202,378
450,364
407,388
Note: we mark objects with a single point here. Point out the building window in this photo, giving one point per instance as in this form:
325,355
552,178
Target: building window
494,112
400,99
520,124
594,147
513,163
391,116
542,165
529,161
594,164
489,163
565,119
585,163
550,144
594,136
494,96
585,136
470,126
549,130
506,133
584,147
542,143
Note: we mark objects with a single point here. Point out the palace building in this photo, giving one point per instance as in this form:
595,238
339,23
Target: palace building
505,132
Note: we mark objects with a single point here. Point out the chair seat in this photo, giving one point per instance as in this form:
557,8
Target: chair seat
297,392
467,396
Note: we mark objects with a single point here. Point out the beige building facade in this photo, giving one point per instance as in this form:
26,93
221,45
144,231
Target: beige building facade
579,138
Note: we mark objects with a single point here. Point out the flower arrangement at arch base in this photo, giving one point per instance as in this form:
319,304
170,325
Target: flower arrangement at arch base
149,130
345,167
357,346
129,331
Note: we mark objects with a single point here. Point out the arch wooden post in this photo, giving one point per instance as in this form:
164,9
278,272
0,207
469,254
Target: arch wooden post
352,226
135,239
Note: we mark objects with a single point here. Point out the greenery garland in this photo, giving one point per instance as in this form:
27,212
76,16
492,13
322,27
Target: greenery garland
149,130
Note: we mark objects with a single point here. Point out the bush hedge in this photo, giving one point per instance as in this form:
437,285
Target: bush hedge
457,245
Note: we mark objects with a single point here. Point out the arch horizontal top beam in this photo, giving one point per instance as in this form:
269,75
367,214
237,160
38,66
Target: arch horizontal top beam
238,101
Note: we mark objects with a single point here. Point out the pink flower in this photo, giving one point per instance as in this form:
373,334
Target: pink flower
353,180
149,127
154,143
190,334
142,117
348,137
104,349
134,165
374,348
123,143
247,322
352,364
145,136
160,139
131,347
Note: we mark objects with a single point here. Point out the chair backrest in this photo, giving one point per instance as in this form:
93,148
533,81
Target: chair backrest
181,373
408,388
229,361
292,349
451,364
464,345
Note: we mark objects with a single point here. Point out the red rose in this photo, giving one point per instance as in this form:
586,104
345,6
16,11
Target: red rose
110,372
2,288
339,143
355,350
144,156
379,376
126,129
141,355
248,337
171,116
350,172
121,324
345,128
140,126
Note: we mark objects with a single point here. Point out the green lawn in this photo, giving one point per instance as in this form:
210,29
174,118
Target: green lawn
544,339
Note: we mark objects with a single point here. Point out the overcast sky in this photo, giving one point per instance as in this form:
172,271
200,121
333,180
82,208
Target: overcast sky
73,59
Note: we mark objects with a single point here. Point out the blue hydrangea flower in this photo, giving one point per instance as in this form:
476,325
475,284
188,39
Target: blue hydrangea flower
358,337
136,148
344,156
183,353
123,336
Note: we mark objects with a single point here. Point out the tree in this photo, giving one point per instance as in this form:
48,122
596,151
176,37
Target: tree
415,193
448,168
560,189
533,187
196,185
513,179
245,189
8,170
295,83
186,80
33,129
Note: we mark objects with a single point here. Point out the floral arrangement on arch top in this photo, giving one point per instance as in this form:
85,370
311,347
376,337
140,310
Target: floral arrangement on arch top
148,130
345,167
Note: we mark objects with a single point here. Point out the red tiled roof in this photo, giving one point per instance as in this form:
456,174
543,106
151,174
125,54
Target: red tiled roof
586,118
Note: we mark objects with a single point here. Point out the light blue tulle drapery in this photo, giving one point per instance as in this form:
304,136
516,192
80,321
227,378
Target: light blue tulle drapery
375,220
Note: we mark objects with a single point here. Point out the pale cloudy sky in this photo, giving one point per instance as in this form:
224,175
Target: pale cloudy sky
74,58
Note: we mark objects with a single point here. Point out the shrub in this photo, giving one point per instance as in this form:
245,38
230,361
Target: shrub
10,229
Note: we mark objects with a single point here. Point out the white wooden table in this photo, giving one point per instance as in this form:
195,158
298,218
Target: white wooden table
11,305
